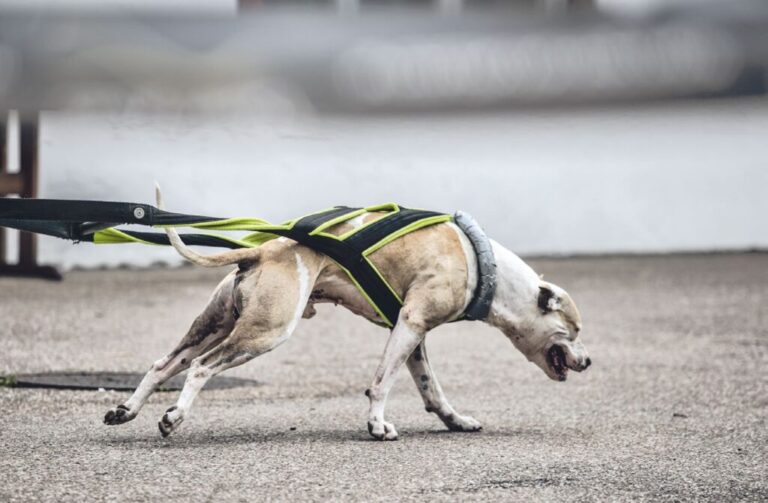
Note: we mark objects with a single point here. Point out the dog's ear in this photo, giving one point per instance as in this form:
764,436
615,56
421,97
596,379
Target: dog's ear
548,300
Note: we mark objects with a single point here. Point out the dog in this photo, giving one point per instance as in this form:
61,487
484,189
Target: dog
257,306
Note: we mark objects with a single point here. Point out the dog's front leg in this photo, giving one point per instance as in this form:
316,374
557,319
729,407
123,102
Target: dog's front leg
432,393
402,341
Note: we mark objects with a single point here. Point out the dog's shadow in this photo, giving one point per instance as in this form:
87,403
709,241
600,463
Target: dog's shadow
200,439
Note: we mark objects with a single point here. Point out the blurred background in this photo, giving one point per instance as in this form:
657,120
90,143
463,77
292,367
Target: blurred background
565,127
614,126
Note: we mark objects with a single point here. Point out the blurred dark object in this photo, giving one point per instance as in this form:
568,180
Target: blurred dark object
24,184
401,60
110,381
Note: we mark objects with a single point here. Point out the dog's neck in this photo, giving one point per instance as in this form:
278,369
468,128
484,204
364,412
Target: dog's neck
517,288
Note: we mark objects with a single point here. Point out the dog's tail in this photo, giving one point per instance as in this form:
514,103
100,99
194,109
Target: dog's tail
215,260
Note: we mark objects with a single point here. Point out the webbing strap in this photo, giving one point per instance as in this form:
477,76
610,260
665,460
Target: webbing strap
160,238
305,225
80,220
60,210
350,251
95,221
370,235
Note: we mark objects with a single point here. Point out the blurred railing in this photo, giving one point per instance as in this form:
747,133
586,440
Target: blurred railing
379,61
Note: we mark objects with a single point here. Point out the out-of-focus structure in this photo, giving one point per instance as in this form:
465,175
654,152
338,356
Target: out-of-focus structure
380,61
23,183
353,58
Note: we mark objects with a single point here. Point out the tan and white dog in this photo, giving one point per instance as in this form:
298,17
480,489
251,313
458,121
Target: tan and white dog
256,307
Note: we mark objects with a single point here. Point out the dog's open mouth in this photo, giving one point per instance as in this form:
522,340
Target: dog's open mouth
556,360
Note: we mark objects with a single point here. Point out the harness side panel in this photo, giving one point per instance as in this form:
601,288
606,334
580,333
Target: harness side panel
349,253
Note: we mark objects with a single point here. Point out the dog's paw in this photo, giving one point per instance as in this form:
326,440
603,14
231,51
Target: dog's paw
382,430
119,415
170,421
455,422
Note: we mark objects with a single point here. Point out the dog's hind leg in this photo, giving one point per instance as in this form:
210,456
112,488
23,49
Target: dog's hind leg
211,327
432,393
272,305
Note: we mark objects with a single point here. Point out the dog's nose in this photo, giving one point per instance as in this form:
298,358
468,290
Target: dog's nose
587,363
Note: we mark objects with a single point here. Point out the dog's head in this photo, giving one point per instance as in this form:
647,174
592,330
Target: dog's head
550,335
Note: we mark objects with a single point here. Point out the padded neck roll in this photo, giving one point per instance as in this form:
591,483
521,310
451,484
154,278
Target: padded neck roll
480,305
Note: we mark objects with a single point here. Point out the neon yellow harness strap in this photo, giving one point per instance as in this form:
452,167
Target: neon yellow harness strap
349,250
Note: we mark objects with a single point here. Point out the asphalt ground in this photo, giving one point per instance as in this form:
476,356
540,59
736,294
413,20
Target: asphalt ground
674,406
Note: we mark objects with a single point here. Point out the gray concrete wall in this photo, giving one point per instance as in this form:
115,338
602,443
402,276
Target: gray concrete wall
692,177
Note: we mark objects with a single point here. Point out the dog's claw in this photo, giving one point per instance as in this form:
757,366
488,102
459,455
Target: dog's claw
382,430
164,430
462,423
168,424
119,415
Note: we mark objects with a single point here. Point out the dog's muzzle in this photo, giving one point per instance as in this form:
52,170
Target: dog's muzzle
562,358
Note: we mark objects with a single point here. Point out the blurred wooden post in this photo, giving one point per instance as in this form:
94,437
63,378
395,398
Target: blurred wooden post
29,126
3,170
24,183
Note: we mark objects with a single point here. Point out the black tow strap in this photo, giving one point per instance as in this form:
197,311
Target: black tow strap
79,220
85,220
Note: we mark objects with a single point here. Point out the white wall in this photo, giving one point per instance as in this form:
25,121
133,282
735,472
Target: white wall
692,177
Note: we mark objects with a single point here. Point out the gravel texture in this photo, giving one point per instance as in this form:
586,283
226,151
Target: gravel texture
674,407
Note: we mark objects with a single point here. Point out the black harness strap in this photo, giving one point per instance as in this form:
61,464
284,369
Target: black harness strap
79,220
160,238
311,222
380,229
349,253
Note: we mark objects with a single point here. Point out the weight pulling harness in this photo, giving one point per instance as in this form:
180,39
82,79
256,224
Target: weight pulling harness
95,221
